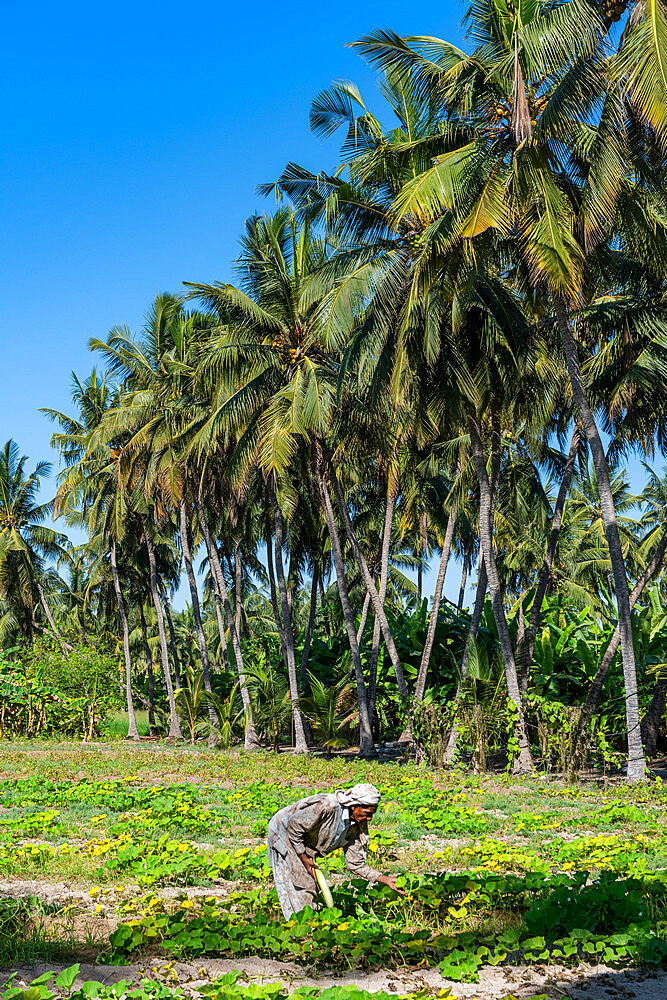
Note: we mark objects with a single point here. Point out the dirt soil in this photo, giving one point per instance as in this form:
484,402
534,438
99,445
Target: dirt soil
70,892
584,983
587,983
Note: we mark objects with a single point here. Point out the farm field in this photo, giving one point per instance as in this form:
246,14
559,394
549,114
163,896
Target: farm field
147,866
334,452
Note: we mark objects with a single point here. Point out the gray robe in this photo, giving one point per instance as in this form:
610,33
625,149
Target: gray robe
315,826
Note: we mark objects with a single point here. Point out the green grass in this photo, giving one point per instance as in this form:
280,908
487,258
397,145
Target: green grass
502,803
26,935
115,725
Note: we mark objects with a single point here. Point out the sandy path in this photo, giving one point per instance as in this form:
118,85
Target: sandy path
586,983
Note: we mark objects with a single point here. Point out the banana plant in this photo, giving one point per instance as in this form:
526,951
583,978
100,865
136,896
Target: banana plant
567,651
651,632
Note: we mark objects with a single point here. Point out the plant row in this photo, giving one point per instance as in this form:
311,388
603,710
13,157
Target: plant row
565,920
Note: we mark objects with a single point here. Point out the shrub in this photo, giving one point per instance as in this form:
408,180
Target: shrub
47,691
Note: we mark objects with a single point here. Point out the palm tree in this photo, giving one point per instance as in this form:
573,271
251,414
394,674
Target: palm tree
328,709
137,421
148,528
652,551
89,496
452,502
148,655
222,598
25,543
275,380
526,647
519,103
196,611
374,263
400,259
132,731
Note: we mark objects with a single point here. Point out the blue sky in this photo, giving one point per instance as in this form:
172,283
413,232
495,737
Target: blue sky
134,137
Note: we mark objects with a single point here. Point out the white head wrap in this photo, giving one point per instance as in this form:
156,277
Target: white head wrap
358,795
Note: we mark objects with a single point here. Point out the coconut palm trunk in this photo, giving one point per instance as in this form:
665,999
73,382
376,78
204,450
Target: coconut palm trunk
526,649
392,495
368,582
251,741
420,685
478,607
149,670
364,617
524,761
422,546
132,731
273,589
238,583
323,605
196,614
366,744
49,617
222,632
464,580
595,690
636,770
174,722
473,630
291,583
312,611
300,744
220,618
477,612
173,646
521,624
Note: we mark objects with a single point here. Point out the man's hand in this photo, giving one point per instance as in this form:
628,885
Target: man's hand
309,864
387,880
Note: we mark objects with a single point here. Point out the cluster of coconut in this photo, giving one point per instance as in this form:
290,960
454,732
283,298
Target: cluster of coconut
612,10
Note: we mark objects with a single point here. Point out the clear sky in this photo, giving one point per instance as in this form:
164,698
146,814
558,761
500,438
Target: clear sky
134,136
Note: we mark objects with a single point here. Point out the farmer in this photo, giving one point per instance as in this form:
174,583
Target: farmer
316,826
